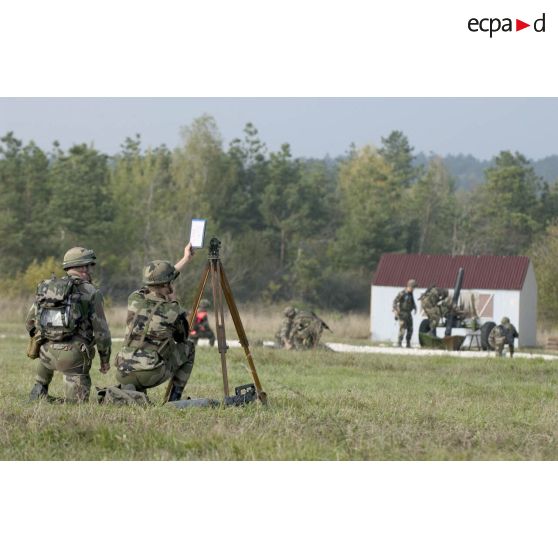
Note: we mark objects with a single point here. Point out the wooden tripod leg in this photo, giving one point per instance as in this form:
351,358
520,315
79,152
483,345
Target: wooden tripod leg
197,298
241,334
199,294
220,321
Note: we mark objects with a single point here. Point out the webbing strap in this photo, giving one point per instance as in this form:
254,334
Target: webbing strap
145,329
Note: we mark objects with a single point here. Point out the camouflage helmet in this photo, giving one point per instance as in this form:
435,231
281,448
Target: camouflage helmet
78,256
289,311
159,272
204,304
411,283
505,320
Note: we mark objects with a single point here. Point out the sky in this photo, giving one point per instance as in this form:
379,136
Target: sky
314,127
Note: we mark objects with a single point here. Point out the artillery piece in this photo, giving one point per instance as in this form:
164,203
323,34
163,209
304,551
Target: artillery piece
454,316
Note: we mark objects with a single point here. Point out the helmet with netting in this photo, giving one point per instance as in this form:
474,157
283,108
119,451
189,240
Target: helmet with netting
289,312
78,256
159,272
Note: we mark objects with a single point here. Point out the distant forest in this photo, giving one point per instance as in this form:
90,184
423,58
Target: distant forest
468,171
308,231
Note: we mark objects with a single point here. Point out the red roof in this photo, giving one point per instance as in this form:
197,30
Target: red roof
481,272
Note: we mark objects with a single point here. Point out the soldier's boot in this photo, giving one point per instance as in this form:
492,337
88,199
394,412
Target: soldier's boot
400,341
176,393
39,391
408,344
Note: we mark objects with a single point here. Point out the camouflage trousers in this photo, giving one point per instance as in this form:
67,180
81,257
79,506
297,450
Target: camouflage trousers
73,358
498,343
434,316
150,370
405,324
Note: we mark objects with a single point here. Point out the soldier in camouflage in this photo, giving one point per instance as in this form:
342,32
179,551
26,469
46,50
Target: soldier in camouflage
403,305
201,328
502,335
306,330
68,336
434,305
283,336
157,347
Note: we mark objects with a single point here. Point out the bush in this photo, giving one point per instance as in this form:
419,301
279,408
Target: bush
25,284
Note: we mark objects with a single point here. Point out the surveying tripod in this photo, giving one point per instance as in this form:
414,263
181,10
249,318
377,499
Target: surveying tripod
221,287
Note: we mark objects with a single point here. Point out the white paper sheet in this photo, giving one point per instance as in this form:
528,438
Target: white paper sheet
197,233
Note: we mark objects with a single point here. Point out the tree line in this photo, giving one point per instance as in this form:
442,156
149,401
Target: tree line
292,229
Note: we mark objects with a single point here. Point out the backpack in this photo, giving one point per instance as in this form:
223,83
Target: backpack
59,309
117,395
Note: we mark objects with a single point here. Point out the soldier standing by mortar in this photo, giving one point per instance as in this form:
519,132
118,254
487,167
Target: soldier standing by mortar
67,320
502,335
403,306
435,306
156,347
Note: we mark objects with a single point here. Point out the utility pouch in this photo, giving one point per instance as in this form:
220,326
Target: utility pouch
34,345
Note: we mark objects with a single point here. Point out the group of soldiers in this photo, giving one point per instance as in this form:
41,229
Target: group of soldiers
437,305
67,324
67,321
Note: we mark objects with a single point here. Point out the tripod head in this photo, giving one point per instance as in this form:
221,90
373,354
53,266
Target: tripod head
214,245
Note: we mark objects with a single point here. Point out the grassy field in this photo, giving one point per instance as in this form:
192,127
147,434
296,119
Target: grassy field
323,406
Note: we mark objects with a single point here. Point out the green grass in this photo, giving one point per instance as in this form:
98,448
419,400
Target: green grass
322,406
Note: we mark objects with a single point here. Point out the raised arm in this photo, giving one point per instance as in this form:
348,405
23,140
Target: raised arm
188,254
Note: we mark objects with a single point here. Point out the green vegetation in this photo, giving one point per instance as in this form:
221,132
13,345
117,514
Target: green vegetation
323,406
307,231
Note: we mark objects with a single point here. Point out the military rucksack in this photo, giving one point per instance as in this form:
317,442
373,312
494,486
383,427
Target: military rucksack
59,308
119,395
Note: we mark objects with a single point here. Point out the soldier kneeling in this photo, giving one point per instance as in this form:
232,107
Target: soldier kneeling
201,328
156,347
306,330
66,322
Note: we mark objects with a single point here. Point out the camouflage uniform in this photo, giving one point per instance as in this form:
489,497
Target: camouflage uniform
74,354
432,302
156,347
282,337
201,328
403,305
306,330
502,335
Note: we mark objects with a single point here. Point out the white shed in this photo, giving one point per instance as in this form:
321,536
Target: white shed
501,285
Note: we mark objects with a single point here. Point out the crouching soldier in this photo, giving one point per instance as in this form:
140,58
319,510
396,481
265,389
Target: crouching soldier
156,347
283,336
201,328
306,330
67,320
502,335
